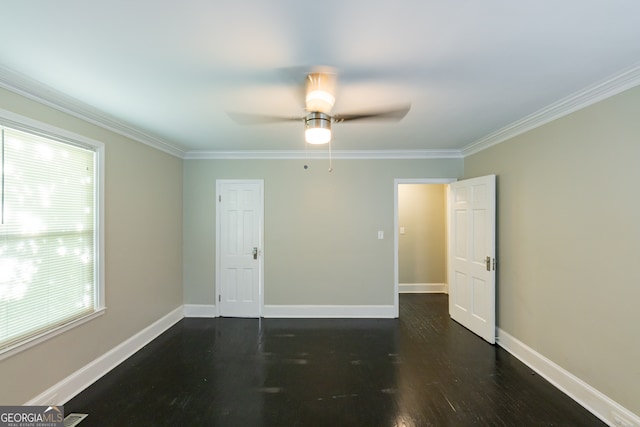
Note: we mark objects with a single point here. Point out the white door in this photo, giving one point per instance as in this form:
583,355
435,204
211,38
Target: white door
472,205
239,218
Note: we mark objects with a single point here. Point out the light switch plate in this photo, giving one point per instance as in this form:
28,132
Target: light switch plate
380,234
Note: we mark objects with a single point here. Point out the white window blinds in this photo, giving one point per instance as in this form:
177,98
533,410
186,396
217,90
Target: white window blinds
47,235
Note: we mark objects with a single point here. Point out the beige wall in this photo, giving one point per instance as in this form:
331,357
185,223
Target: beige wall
422,247
569,242
321,245
143,210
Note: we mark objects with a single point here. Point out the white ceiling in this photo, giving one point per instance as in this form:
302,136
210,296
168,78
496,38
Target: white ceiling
171,69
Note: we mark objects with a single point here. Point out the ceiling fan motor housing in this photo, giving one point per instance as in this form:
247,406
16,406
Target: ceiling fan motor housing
321,89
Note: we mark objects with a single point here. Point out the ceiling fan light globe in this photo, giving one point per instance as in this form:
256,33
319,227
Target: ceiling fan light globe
317,136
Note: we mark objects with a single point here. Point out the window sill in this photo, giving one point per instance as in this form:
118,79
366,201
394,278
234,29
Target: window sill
10,351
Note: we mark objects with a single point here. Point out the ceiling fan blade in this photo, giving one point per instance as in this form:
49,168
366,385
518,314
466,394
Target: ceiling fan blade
259,119
396,113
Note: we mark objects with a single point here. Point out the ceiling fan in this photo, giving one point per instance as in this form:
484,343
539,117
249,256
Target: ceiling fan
320,88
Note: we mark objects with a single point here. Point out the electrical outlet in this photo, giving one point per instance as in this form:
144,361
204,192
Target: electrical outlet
620,421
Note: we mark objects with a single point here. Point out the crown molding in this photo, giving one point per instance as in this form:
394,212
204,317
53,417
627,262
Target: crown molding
43,94
335,154
619,82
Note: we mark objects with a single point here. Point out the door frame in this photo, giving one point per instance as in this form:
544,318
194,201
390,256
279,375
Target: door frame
218,278
396,225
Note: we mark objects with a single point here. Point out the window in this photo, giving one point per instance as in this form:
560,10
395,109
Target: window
50,274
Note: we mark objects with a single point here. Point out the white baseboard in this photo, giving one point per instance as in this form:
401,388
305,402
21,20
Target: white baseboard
329,311
200,310
69,387
423,288
594,401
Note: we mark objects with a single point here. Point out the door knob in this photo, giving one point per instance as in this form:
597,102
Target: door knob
255,253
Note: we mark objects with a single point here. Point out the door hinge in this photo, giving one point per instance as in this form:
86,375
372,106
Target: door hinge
219,297
219,198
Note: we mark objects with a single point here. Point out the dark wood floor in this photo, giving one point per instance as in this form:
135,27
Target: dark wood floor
420,370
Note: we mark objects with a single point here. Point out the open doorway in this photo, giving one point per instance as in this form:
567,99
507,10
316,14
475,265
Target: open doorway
421,236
